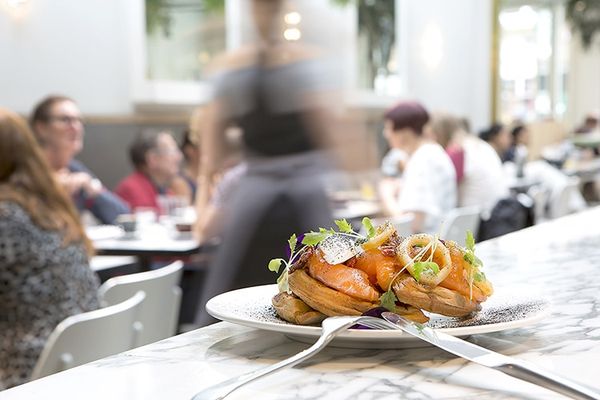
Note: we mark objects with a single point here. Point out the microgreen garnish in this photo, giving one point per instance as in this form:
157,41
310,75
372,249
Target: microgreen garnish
470,256
419,256
424,268
479,277
275,263
474,275
371,232
293,241
388,300
344,226
312,239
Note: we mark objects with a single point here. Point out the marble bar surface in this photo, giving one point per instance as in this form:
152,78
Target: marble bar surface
560,259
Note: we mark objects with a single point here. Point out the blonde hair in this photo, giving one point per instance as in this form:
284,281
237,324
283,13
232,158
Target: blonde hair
445,126
26,179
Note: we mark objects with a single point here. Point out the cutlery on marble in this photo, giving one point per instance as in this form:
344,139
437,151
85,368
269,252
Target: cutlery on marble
480,355
330,328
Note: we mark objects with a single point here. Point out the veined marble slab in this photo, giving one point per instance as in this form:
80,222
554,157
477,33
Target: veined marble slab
560,259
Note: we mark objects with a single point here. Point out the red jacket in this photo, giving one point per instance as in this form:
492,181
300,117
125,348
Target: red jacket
139,191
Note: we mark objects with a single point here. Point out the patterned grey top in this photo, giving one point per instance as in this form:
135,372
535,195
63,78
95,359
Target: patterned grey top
41,283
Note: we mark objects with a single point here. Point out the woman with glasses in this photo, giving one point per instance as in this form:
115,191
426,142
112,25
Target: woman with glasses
58,126
44,271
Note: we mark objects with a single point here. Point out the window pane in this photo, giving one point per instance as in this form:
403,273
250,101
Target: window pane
532,63
377,66
183,36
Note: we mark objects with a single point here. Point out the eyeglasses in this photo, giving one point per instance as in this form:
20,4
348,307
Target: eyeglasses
66,119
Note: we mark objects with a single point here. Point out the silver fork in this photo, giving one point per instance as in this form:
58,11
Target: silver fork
330,328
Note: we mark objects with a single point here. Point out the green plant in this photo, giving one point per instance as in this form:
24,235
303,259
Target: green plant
584,18
158,12
377,29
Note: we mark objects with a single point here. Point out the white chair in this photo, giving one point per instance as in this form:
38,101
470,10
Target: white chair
160,311
458,221
560,203
89,336
540,198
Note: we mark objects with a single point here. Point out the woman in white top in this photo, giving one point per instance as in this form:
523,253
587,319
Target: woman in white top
479,173
428,186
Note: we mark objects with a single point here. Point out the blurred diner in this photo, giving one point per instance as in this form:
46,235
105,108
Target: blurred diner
427,189
58,127
156,159
269,89
479,173
44,271
590,124
498,136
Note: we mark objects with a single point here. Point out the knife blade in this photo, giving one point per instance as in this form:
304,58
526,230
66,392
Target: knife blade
511,366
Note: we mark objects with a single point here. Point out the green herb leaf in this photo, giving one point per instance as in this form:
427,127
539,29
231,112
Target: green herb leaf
282,282
366,222
344,226
424,267
314,238
470,241
293,241
479,276
275,263
388,300
469,257
327,231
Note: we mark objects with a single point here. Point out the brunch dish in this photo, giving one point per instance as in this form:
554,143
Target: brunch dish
342,272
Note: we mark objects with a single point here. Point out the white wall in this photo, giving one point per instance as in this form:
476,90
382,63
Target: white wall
584,81
460,82
90,50
73,47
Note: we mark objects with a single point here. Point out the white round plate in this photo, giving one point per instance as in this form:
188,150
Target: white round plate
252,307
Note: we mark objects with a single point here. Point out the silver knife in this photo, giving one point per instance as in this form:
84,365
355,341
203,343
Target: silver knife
480,355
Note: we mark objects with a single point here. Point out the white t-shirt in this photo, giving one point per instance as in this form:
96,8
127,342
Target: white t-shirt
484,182
429,185
391,161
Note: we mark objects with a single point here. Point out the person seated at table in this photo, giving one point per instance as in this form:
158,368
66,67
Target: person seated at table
590,124
58,127
156,158
428,186
498,136
479,172
44,272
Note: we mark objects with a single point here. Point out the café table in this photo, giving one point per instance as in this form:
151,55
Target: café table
586,140
586,170
107,267
356,209
147,243
558,260
522,184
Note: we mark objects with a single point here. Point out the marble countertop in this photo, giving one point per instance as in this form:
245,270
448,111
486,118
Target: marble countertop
560,258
